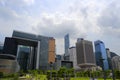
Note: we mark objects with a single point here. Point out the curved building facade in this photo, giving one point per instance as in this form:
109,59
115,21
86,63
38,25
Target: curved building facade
100,53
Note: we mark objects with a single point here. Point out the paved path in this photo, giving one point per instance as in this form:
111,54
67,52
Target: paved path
93,79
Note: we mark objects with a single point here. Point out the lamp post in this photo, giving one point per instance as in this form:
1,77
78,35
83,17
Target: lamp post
101,60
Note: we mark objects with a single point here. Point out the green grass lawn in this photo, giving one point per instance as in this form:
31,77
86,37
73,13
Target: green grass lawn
28,77
82,78
44,77
108,79
87,78
41,77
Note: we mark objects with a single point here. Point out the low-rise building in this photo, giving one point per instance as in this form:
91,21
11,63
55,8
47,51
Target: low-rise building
8,64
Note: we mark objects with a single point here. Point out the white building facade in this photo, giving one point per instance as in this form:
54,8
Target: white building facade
73,57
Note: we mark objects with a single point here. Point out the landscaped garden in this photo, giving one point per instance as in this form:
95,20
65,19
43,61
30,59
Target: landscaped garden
62,74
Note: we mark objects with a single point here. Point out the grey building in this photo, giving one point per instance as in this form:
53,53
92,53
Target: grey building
109,58
116,62
67,56
85,55
112,54
39,45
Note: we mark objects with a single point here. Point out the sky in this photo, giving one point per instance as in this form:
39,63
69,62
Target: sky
89,19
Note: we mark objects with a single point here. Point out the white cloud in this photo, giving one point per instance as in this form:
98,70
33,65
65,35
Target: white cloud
90,19
29,2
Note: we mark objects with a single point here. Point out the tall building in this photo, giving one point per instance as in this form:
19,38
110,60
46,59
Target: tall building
116,62
100,54
109,58
85,55
42,48
51,53
73,57
67,44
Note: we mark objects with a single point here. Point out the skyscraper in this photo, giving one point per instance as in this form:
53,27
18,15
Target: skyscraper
85,55
109,58
100,53
67,44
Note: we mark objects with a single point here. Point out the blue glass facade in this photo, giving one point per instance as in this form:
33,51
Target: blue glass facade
67,44
100,53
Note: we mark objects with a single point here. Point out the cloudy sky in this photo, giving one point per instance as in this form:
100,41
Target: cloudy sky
88,19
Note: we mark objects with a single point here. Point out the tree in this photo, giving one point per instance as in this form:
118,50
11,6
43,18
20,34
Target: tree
62,71
117,74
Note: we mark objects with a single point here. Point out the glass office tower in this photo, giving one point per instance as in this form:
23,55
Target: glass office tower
67,44
100,54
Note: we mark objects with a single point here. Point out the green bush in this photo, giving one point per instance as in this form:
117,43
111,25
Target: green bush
16,76
117,74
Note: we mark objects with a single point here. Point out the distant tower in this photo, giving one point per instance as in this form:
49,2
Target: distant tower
67,44
100,53
85,55
109,58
